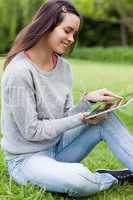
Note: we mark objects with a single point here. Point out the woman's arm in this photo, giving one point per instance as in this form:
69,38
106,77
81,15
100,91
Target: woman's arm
82,106
20,102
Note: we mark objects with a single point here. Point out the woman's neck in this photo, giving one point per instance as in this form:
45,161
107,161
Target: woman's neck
42,57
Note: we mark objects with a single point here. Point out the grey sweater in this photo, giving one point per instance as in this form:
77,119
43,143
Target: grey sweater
37,106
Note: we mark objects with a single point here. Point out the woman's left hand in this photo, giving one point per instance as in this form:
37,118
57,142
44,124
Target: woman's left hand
102,95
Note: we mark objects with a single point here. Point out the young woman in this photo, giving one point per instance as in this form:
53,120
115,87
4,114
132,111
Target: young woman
44,136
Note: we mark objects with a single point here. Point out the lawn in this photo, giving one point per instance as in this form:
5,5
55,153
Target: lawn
87,76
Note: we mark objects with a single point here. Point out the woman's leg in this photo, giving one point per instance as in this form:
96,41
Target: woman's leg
71,178
74,178
119,140
77,143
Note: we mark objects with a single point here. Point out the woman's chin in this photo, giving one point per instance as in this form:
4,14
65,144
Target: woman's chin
61,51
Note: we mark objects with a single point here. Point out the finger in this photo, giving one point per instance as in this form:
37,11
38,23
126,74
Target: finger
112,94
92,121
96,120
108,99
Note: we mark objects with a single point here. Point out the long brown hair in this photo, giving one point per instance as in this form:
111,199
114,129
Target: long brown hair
48,16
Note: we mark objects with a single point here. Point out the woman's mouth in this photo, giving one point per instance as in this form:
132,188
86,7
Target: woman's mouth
66,45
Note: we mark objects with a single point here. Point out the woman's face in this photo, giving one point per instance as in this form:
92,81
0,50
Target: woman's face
62,36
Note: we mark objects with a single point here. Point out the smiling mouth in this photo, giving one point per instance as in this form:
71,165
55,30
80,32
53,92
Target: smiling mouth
65,45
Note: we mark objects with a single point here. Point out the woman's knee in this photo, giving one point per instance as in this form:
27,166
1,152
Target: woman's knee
83,183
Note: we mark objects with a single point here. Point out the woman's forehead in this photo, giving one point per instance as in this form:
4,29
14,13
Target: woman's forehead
71,20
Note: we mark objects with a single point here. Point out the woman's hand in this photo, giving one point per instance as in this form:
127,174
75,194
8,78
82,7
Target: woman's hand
94,120
102,95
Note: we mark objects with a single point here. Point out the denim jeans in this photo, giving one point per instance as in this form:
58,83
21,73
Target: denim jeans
58,169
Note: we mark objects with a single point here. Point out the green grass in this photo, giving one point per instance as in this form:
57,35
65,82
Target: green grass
87,76
101,54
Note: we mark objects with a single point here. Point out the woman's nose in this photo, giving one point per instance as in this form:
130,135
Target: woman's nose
71,38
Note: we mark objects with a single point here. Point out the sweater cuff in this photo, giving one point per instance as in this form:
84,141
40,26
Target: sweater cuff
77,119
74,121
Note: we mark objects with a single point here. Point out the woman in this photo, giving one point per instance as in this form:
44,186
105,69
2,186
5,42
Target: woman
44,137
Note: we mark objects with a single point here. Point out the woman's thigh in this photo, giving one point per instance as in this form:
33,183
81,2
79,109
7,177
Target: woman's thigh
77,143
119,140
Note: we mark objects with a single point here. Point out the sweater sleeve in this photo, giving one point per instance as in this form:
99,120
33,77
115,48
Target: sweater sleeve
82,106
71,109
21,104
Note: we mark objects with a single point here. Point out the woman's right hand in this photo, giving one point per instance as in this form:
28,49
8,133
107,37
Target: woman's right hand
94,120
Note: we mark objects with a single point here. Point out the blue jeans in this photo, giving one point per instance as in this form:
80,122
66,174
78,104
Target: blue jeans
58,168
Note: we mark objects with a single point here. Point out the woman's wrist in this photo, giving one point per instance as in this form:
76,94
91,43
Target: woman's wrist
82,116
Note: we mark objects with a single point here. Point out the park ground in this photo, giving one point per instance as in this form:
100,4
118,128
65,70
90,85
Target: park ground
87,76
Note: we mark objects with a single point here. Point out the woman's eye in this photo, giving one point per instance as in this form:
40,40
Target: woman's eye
66,31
